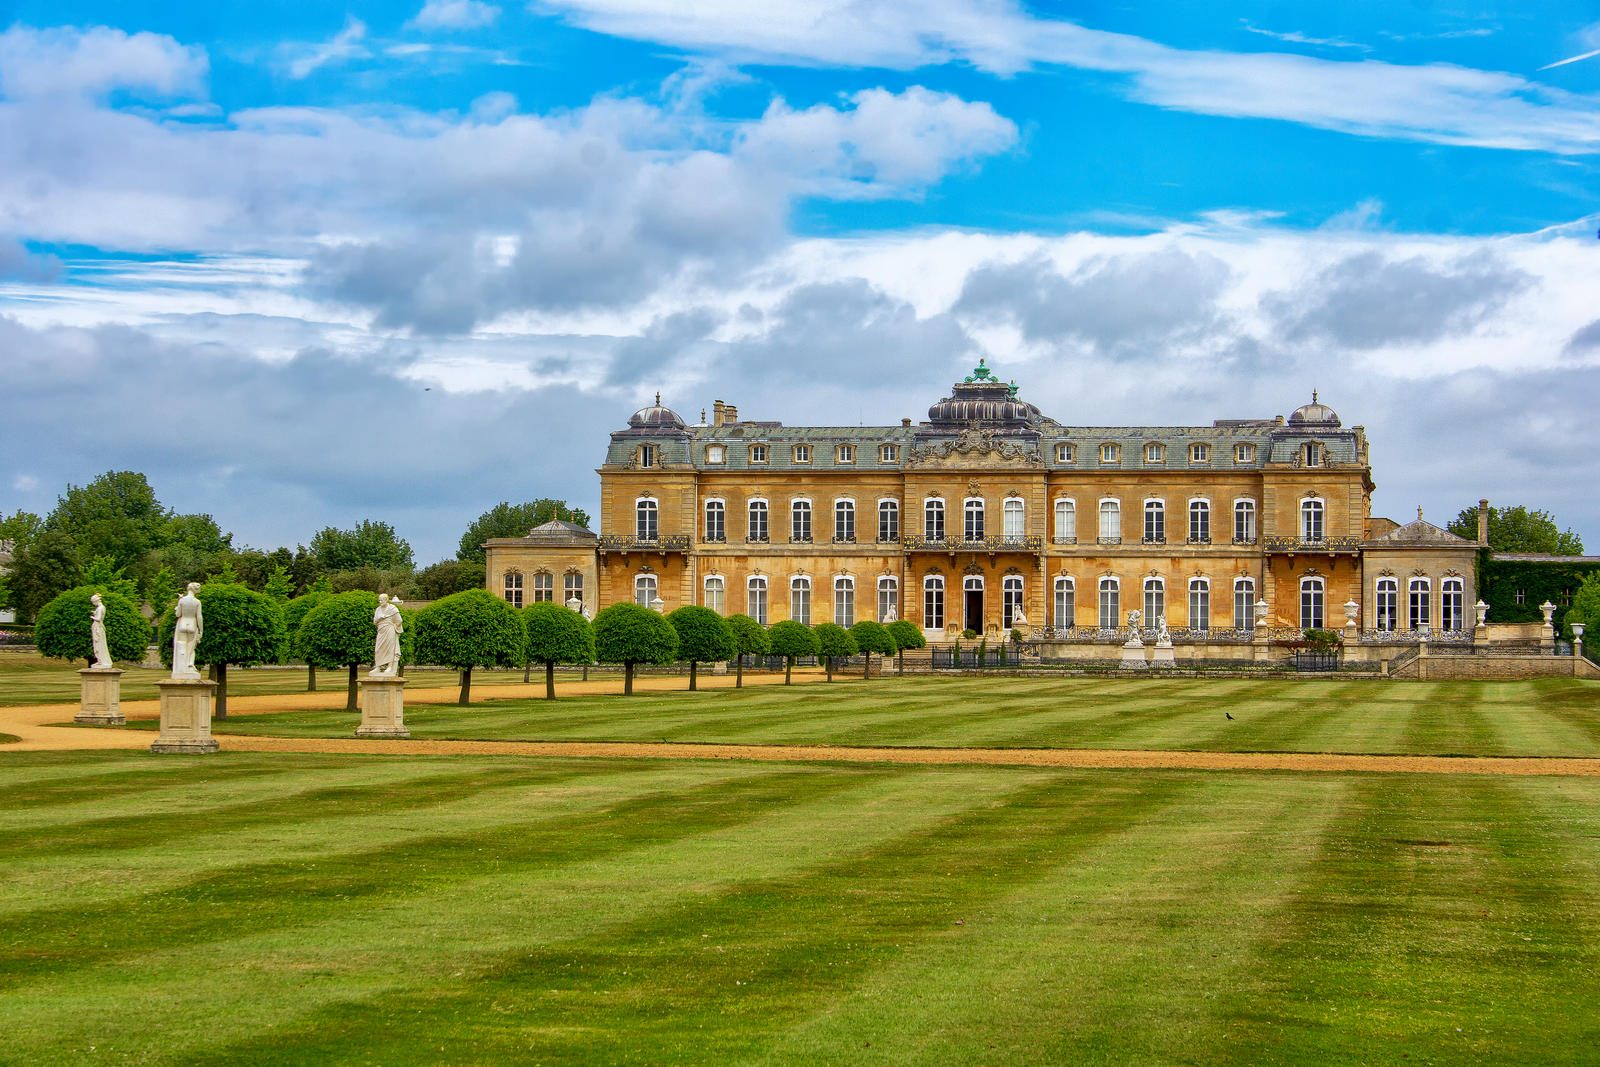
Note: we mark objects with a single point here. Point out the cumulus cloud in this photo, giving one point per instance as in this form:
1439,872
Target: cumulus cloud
1584,340
455,15
1369,300
72,62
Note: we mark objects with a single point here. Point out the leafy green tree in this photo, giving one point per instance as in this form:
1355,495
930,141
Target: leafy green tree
791,640
161,591
20,528
103,574
279,586
393,580
836,642
629,634
370,544
750,638
40,570
703,637
199,532
472,628
506,519
294,613
1519,529
115,515
339,632
448,576
225,574
62,631
872,636
243,628
1585,609
906,635
556,634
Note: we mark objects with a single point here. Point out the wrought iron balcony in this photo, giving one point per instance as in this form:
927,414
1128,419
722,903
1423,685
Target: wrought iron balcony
1157,540
1199,540
847,540
757,539
626,543
1003,543
1244,540
892,539
1063,540
1109,542
1326,544
714,539
800,539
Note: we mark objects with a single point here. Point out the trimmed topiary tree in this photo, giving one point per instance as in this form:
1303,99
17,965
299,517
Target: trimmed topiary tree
835,641
791,639
750,639
871,636
243,628
628,633
556,634
62,628
906,635
294,613
472,628
703,637
339,632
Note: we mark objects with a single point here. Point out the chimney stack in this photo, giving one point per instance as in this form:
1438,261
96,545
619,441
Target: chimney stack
905,422
1483,524
717,409
730,414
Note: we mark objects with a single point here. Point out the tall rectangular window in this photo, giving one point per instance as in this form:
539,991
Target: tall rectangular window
644,590
1312,594
844,602
1155,522
888,521
1311,527
844,521
933,603
1110,609
1419,603
1066,522
800,521
1155,601
513,589
645,514
974,520
758,521
800,601
1062,619
714,594
716,521
1199,604
1452,605
1010,600
1015,518
1244,522
1244,604
933,520
573,584
544,587
1388,604
756,600
1110,520
1199,522
888,599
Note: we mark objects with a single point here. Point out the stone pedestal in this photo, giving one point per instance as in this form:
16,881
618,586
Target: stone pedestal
383,708
99,691
185,716
1133,654
1162,656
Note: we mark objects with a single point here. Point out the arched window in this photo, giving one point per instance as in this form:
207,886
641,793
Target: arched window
715,594
573,584
1244,453
1452,605
1388,604
644,589
716,521
1244,604
1064,454
1419,602
1010,599
1062,602
888,598
1155,522
1110,454
1014,518
1154,454
844,602
973,512
1199,454
758,522
756,599
1199,604
800,522
513,588
1110,604
1313,592
800,600
544,587
1244,522
1066,522
644,520
1110,520
844,521
933,602
1155,600
845,454
888,521
933,519
1311,526
1199,522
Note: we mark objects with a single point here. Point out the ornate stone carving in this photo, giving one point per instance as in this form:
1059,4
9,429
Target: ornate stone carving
975,444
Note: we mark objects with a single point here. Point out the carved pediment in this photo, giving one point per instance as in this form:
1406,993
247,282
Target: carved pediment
972,448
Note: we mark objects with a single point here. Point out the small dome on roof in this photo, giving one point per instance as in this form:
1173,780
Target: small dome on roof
1314,414
656,417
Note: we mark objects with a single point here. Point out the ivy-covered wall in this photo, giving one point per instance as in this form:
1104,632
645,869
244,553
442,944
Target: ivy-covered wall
1499,580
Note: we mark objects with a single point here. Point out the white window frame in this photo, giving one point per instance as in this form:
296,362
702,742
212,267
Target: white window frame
933,602
1452,605
888,453
888,596
1311,454
1200,604
758,458
1114,528
931,530
647,455
1013,518
572,586
844,519
717,454
714,593
1251,532
755,598
544,587
1313,602
800,599
1244,453
1155,521
1154,453
1244,610
1065,454
1012,590
511,585
1109,603
971,531
1386,604
844,453
888,533
720,506
1110,453
1204,529
1199,452
750,508
1063,602
643,583
1066,531
795,511
801,453
646,529
1153,603
844,601
1313,532
1419,613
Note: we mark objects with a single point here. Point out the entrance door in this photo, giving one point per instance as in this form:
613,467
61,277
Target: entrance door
972,605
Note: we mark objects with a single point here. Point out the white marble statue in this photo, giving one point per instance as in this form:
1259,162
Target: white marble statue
1161,628
186,636
97,634
575,604
1019,619
386,651
890,615
1134,618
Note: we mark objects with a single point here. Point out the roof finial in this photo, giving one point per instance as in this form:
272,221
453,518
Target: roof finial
658,398
1313,396
1419,512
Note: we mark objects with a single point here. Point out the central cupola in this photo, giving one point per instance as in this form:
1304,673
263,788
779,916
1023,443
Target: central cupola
985,402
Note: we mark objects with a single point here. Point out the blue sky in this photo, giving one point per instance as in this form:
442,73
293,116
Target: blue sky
307,265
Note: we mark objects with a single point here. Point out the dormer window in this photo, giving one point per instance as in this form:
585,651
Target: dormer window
1311,454
1244,453
845,454
1110,454
888,453
1199,453
758,453
1154,453
1064,454
802,453
716,454
647,455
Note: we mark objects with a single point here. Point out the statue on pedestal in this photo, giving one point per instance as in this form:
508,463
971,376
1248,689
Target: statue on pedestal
890,615
1134,618
97,634
186,636
386,650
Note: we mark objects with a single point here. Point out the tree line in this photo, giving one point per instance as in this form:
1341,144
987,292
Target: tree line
115,529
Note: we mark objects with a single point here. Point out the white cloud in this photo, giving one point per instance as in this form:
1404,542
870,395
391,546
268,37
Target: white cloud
455,15
24,483
342,46
67,61
1438,103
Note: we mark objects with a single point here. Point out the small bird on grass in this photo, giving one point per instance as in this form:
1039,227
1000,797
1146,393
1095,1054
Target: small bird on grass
1228,714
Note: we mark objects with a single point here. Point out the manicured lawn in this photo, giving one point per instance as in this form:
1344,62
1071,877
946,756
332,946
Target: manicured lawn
1546,717
302,909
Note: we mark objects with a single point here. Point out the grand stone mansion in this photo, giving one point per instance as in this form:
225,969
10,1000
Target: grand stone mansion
990,515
